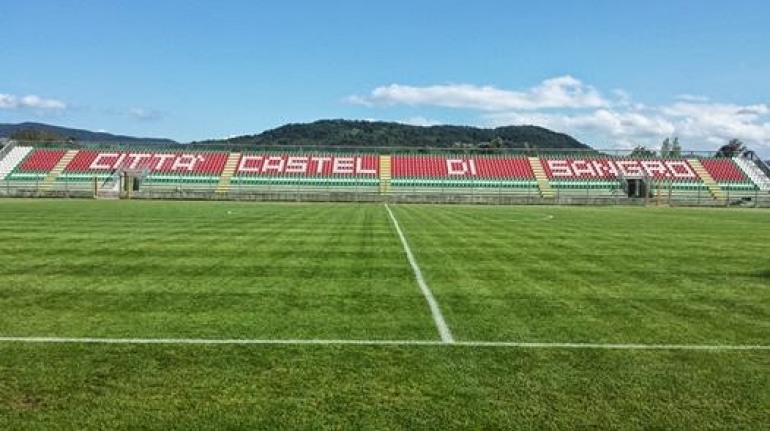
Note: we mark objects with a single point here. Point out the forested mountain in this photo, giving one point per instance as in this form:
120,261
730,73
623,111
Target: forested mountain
330,134
47,132
345,133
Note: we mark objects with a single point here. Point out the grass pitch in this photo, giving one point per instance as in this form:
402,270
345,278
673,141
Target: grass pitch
329,271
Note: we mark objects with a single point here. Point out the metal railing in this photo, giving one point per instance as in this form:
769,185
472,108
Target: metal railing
357,149
759,162
7,149
367,191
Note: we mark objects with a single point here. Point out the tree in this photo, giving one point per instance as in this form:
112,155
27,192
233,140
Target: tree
676,148
642,151
497,143
35,135
734,148
665,148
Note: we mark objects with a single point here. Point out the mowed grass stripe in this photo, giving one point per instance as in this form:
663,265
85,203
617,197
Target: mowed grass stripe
596,275
397,343
76,386
158,269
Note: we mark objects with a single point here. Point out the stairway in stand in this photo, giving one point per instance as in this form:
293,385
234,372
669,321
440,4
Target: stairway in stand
546,192
227,173
50,179
715,191
385,174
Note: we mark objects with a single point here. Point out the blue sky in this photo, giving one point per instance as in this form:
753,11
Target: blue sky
611,73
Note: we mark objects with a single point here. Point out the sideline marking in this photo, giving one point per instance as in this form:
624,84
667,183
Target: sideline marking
438,318
397,343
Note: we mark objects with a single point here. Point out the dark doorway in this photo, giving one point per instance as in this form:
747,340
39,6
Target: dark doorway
637,188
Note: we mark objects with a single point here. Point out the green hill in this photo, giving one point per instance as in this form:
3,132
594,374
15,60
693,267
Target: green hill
332,135
345,133
47,132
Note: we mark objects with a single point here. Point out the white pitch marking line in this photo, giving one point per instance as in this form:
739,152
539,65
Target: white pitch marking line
397,343
438,318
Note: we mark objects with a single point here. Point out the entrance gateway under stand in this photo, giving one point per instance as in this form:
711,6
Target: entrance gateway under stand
122,183
131,179
636,186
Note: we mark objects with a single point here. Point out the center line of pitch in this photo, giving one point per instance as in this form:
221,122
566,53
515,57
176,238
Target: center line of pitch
438,318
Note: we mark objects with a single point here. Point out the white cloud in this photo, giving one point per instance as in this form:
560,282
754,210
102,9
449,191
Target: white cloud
623,97
142,114
608,125
568,105
560,92
419,121
721,122
719,111
692,98
700,126
10,101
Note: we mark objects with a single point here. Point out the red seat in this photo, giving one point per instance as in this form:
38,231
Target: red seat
723,170
41,160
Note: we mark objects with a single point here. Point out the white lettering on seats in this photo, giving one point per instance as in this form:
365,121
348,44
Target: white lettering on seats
309,165
655,168
250,164
342,165
459,167
161,161
119,162
582,167
186,162
363,171
275,164
603,168
296,165
680,169
136,159
100,162
629,167
559,168
320,163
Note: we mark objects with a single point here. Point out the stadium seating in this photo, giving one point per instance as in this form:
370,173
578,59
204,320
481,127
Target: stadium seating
728,175
612,169
12,159
326,170
450,171
754,174
224,172
36,164
158,169
42,160
192,163
723,170
676,177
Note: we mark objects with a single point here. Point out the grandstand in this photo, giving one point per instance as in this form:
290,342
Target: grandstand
567,178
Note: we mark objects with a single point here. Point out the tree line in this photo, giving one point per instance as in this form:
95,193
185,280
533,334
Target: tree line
336,134
670,147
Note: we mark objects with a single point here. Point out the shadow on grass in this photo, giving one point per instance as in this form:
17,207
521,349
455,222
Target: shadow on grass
765,274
